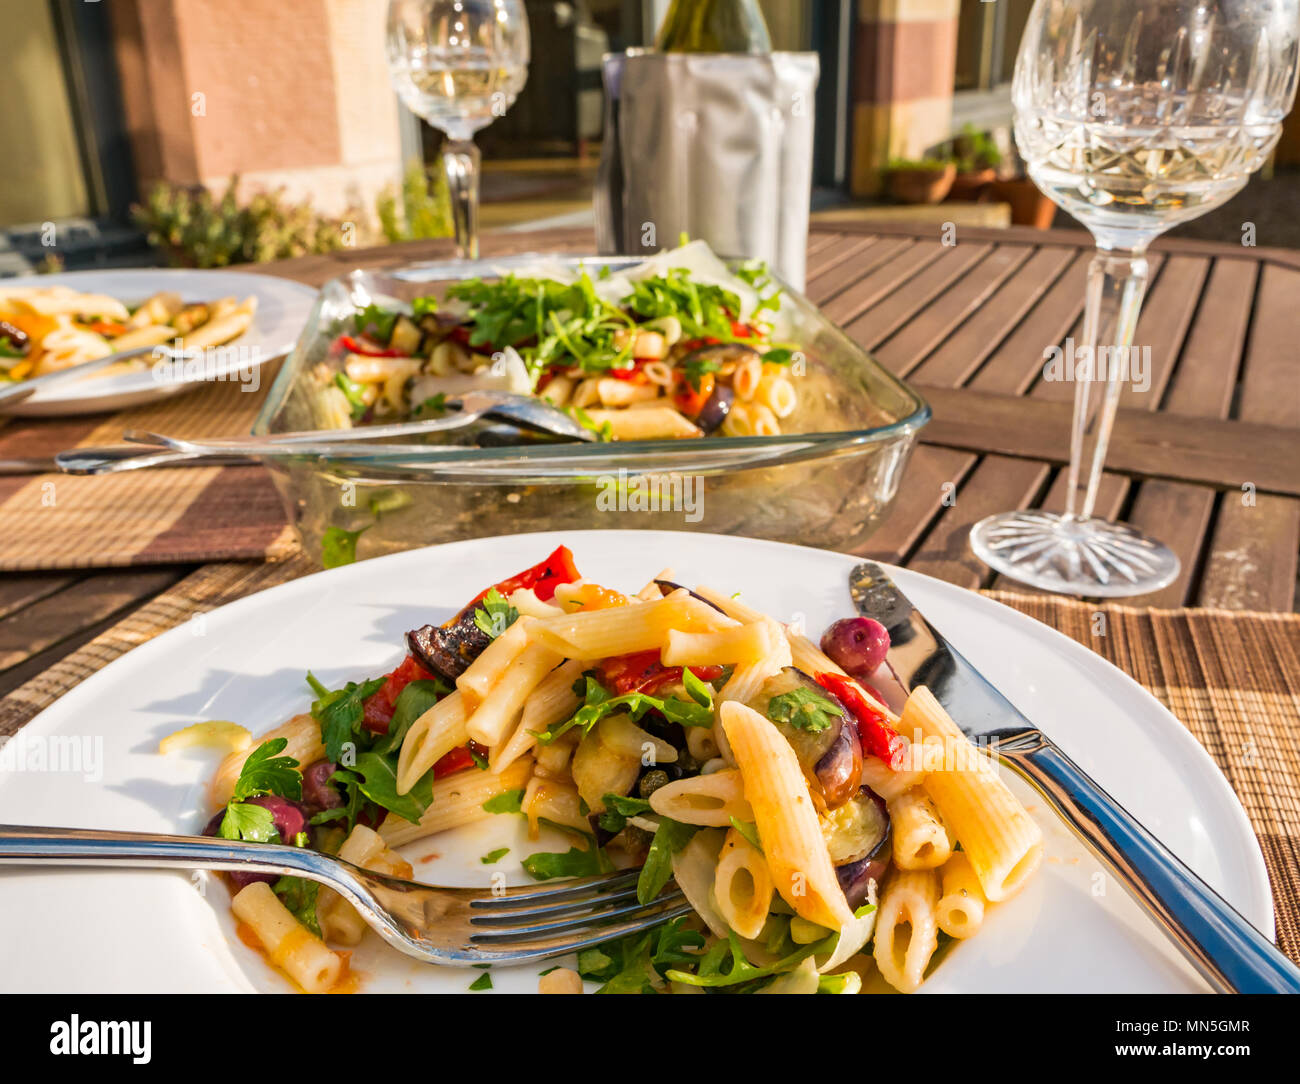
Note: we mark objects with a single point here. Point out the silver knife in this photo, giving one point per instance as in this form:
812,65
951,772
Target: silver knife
1228,951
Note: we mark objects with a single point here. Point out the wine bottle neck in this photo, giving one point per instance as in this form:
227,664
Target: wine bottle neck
714,26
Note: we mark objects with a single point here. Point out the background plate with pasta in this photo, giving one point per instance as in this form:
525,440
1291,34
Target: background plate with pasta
153,932
281,310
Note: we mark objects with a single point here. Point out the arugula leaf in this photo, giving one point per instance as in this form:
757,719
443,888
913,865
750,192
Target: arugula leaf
483,982
435,404
597,703
804,709
352,392
741,970
508,801
339,547
749,830
575,862
618,809
340,712
299,895
628,965
694,369
494,856
249,822
700,691
377,780
424,306
413,701
265,772
494,614
353,801
380,320
670,838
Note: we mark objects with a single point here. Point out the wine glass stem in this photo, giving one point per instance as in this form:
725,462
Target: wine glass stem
460,160
1117,279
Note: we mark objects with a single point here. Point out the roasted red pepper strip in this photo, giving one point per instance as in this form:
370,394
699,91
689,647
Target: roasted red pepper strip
458,760
369,350
543,578
878,738
380,706
644,673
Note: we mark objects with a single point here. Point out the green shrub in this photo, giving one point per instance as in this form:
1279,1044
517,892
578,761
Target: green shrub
196,229
420,210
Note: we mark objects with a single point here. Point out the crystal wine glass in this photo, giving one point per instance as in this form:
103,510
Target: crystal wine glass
1133,117
459,64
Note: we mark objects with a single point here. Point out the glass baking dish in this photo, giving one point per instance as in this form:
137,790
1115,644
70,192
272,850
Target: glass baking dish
828,485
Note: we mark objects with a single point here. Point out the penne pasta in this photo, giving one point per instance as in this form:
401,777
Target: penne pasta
742,886
787,820
488,669
457,800
906,930
740,645
499,713
432,736
960,911
920,841
998,836
709,800
290,946
652,423
550,703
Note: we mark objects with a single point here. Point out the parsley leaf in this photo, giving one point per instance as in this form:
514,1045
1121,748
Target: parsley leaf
265,772
804,709
424,306
250,822
483,982
494,614
670,838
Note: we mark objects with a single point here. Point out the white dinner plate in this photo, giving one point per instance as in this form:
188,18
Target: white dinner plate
282,309
1071,929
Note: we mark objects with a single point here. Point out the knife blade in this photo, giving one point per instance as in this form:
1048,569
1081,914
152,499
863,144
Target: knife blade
1230,954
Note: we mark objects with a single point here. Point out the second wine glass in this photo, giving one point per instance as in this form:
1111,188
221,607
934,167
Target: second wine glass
459,64
1133,118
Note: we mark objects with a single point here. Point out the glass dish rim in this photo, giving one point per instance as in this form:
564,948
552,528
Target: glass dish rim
452,269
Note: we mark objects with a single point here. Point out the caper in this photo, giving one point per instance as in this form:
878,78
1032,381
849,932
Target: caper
652,781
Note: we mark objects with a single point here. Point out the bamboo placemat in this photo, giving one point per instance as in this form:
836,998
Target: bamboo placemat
1233,679
149,517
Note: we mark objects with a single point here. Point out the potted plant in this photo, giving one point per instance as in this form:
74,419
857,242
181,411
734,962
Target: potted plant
1029,207
977,158
922,180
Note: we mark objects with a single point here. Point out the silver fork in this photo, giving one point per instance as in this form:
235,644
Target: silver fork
460,927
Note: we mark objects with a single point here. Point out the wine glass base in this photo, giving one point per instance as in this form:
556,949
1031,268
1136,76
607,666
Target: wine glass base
1073,556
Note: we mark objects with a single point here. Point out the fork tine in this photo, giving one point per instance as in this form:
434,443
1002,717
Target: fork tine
507,916
527,923
522,952
585,888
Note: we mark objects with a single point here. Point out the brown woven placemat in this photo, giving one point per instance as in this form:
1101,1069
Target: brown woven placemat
148,517
1233,679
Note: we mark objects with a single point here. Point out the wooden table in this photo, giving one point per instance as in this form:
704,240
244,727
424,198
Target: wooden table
1207,459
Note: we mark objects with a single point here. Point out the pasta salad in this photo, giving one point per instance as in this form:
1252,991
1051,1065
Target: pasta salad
824,842
47,328
678,346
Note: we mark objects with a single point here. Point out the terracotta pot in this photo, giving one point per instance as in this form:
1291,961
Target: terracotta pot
921,185
1029,207
973,185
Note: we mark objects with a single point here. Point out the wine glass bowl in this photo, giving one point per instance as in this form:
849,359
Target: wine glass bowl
1133,118
459,64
